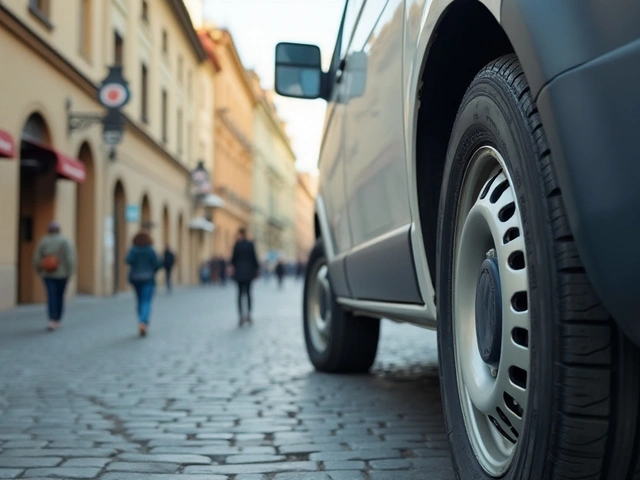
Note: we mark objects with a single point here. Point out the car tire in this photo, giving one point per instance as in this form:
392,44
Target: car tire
537,382
337,341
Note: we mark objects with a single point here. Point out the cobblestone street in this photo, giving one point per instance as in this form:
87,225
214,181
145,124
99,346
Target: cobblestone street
201,398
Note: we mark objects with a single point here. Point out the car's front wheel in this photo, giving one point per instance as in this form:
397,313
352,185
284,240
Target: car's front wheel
336,340
537,382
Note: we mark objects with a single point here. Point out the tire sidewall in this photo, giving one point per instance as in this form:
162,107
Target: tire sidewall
489,115
321,360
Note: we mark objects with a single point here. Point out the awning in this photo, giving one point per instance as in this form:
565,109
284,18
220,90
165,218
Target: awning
7,145
201,223
212,200
66,166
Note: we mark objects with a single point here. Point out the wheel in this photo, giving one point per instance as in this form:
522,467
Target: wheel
537,382
336,340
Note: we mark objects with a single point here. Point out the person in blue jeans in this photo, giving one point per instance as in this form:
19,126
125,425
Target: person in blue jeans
144,264
54,260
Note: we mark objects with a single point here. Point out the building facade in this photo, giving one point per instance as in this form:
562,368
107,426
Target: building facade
307,189
274,181
233,132
58,53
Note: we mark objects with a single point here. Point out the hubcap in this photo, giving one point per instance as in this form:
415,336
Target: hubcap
319,304
491,321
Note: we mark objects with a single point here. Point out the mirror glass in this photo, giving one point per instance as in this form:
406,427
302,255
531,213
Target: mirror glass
298,82
298,70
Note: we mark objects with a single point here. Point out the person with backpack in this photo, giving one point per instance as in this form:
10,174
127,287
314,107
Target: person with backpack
168,260
144,264
55,261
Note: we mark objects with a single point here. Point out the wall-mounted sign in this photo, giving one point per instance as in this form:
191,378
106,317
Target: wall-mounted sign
114,90
132,213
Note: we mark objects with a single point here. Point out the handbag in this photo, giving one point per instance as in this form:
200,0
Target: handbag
50,263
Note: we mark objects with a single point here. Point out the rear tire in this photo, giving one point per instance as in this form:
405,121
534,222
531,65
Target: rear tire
576,381
336,340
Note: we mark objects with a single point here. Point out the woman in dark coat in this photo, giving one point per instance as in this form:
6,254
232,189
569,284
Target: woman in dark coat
144,264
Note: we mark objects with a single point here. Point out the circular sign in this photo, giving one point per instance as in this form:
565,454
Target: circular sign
114,95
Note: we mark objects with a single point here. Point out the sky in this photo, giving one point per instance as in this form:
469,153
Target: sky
257,26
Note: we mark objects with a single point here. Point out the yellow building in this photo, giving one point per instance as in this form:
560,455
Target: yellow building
307,189
233,132
274,181
57,53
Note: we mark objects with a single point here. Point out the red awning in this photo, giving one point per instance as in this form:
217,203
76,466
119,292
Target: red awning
7,146
66,166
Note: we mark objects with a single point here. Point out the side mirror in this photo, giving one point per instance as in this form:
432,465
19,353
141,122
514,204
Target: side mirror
298,70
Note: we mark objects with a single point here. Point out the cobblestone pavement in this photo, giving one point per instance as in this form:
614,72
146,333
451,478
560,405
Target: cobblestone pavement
200,398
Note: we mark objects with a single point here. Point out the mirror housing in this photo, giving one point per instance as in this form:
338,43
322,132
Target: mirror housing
299,71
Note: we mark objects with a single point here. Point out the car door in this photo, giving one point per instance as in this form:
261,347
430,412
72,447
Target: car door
331,201
380,265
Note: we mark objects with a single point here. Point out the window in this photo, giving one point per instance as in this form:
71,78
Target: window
85,28
179,127
165,42
144,97
164,116
180,68
145,11
118,49
189,141
189,84
41,9
350,19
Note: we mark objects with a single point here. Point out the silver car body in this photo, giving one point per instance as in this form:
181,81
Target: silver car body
368,187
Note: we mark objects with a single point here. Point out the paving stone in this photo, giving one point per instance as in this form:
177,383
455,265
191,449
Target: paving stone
60,452
24,444
29,462
86,462
355,455
165,458
143,467
63,472
344,465
235,459
10,472
158,476
254,468
395,464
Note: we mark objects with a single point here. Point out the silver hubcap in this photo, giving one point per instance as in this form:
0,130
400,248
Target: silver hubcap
319,304
492,377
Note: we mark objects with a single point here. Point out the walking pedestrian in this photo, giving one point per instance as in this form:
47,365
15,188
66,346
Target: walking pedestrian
144,263
244,264
55,261
280,271
168,260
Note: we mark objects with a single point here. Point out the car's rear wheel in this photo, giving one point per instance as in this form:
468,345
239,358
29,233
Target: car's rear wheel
537,382
336,340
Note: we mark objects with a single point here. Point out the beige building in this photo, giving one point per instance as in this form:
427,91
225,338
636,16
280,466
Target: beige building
306,192
233,132
57,53
274,181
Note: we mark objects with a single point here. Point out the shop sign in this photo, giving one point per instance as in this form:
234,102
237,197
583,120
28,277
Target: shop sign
132,213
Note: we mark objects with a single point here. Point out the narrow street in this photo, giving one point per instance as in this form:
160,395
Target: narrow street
202,398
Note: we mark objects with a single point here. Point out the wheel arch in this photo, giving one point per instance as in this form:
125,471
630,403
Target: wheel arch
466,38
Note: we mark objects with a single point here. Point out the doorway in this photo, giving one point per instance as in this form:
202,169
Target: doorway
120,237
145,217
85,224
36,210
180,265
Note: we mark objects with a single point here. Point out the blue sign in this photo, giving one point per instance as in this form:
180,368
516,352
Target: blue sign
132,213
